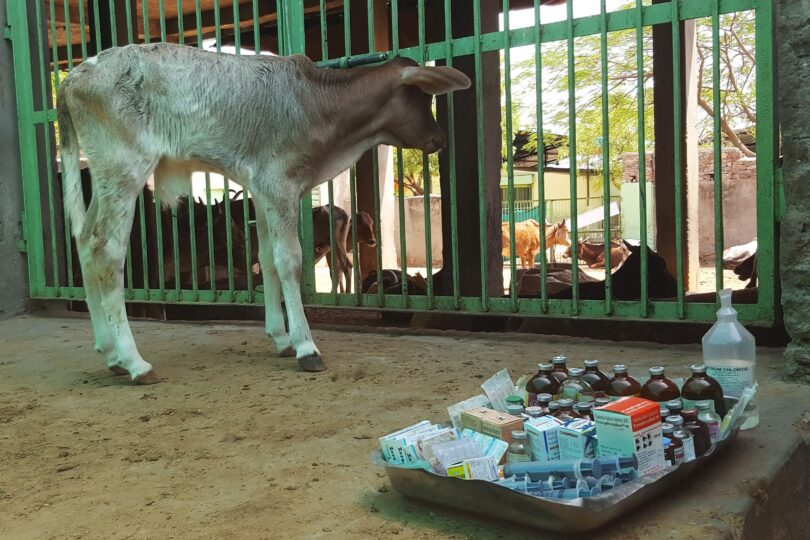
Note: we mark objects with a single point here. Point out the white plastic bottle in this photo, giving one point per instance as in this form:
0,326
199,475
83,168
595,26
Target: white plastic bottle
729,352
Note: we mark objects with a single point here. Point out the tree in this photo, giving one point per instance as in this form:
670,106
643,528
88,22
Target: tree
737,89
413,173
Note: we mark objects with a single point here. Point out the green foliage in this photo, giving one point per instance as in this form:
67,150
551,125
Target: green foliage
413,172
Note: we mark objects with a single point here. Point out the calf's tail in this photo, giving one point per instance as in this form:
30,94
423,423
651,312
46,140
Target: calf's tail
73,198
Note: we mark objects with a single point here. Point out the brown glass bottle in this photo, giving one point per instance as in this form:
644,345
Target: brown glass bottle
542,383
622,384
596,378
560,370
659,388
700,432
543,401
585,409
701,386
566,412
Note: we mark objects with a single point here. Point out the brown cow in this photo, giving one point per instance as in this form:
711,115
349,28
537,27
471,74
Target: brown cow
527,240
342,226
593,253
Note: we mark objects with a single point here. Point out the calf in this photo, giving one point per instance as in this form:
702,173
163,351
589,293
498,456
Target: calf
626,281
593,253
527,240
278,126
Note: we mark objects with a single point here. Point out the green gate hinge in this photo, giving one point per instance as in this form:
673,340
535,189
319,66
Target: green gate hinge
780,194
7,32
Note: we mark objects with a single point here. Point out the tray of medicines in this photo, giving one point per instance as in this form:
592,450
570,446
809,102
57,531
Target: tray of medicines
565,496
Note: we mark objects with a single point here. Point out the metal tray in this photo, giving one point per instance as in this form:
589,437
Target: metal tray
576,515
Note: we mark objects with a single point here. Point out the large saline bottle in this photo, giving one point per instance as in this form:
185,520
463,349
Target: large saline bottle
729,352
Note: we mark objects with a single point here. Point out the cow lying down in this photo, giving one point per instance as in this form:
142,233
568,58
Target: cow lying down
278,126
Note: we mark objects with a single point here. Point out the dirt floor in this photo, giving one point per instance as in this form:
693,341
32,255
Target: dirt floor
237,443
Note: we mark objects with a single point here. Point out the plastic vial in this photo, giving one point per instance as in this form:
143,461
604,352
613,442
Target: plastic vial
700,386
553,408
709,418
700,432
514,400
560,371
729,352
659,388
622,384
576,388
519,449
514,410
542,383
596,378
674,452
679,432
566,412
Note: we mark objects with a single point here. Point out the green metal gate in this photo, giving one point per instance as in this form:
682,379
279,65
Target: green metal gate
44,44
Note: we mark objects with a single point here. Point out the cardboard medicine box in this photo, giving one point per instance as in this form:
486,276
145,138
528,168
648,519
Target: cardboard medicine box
491,422
543,437
576,440
631,426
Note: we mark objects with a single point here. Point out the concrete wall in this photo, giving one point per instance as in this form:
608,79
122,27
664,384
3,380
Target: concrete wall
415,231
739,196
13,273
793,35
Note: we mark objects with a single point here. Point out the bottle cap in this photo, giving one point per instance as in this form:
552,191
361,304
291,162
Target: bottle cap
576,372
602,401
591,363
620,368
675,420
657,370
553,405
584,406
566,402
514,410
703,405
559,359
534,412
518,434
698,368
674,404
514,400
544,398
689,414
545,367
667,428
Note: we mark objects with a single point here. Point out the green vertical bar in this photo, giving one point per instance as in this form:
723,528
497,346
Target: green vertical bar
237,32
479,125
128,14
395,26
97,24
43,74
146,30
68,36
162,17
426,179
718,150
65,220
176,250
144,251
198,16
403,247
572,157
451,156
606,184
217,26
324,37
248,248
678,137
83,32
226,200
355,267
375,172
642,158
257,39
113,20
192,234
347,28
510,170
210,230
159,234
541,154
330,188
181,31
23,86
766,167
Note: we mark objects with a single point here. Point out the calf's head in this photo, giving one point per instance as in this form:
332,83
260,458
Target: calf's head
410,121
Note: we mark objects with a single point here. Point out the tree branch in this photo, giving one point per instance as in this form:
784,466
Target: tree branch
729,132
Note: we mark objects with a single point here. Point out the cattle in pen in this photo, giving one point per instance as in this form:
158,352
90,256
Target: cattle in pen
278,126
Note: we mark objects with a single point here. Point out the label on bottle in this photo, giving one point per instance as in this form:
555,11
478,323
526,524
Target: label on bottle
690,403
733,375
688,449
517,457
714,430
679,455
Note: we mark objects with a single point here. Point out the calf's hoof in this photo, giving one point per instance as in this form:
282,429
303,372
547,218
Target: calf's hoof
118,370
150,377
287,352
311,362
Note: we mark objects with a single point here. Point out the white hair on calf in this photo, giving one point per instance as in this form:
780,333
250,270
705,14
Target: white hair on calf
276,125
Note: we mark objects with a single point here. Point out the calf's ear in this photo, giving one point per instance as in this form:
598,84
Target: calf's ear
436,80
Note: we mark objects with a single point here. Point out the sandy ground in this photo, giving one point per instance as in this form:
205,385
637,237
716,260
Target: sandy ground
237,443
